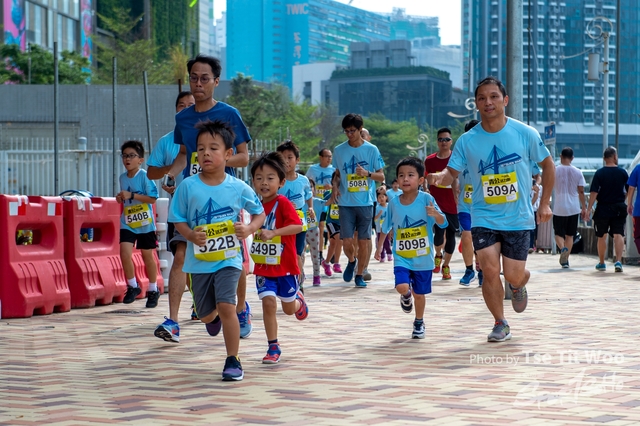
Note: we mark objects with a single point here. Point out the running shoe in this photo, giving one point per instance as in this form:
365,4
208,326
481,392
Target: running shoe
601,267
273,354
406,304
418,330
194,314
152,299
480,278
232,369
303,311
446,273
244,318
214,327
618,266
519,298
337,268
564,258
468,278
383,258
438,261
500,332
169,331
366,275
131,294
347,276
316,281
327,268
390,257
360,282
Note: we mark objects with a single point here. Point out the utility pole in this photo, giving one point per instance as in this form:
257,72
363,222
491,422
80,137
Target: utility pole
514,58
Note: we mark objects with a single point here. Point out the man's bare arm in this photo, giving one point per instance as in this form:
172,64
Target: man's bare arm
240,158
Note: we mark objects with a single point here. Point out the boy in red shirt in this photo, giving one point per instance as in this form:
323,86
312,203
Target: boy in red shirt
274,251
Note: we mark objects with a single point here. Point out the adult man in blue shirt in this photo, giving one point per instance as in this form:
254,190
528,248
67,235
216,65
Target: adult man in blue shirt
498,153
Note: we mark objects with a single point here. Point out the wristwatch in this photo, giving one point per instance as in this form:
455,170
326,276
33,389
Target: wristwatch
369,174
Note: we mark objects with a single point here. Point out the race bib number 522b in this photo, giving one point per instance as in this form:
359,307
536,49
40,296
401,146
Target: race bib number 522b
222,243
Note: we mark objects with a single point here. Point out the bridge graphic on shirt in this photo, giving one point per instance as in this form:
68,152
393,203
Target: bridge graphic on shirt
212,213
350,167
412,223
270,220
322,178
292,196
465,173
496,159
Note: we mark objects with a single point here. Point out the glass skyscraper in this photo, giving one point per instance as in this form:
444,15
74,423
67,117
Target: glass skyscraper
555,59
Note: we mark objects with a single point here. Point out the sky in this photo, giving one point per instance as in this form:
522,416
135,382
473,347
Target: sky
448,12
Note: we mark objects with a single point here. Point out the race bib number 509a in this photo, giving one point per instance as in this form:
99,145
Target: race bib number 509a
500,188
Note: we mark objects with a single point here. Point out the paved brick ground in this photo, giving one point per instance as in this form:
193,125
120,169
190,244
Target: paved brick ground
573,359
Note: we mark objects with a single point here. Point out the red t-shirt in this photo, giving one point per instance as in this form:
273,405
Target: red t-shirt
444,196
278,216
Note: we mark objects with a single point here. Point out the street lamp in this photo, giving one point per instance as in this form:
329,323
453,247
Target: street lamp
470,104
595,32
420,151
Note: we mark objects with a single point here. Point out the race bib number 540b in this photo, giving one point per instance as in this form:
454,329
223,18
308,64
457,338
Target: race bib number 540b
222,243
501,188
137,216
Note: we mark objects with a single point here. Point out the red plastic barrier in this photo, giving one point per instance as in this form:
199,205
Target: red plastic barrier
33,277
141,270
95,271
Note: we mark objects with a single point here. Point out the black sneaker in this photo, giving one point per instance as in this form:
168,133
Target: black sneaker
406,304
152,299
131,294
232,369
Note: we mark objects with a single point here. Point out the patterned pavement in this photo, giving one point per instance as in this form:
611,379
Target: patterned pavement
573,359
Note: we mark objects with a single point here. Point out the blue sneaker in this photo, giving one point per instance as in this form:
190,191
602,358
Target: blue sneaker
347,276
244,318
273,354
480,278
169,331
214,327
468,278
232,369
601,267
360,281
618,266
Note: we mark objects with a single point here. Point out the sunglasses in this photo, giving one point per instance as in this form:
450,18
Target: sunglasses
444,139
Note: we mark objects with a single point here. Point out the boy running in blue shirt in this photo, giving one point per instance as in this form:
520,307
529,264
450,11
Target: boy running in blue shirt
137,225
274,251
411,216
205,210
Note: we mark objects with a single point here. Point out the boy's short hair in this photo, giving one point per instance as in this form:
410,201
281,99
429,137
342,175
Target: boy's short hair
136,145
491,80
214,63
312,183
443,130
394,181
354,120
273,159
413,162
181,95
214,128
288,145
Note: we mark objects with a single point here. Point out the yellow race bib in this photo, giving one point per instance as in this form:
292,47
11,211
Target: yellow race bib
266,252
138,215
194,167
412,242
357,183
321,190
222,243
501,188
468,193
303,219
334,212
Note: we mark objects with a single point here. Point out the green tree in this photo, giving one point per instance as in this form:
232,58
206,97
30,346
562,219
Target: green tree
329,125
134,54
301,122
72,67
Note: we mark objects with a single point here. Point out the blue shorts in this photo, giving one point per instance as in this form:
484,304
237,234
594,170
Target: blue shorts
354,219
301,242
420,281
285,287
465,221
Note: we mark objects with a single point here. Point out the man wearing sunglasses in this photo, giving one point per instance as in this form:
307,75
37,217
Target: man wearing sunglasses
444,195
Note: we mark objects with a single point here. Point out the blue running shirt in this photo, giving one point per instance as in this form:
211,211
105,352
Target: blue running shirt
196,204
466,192
185,132
164,153
392,193
322,177
500,170
137,216
356,191
412,232
298,192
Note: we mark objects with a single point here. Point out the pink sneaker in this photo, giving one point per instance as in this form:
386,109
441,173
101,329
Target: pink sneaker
390,257
316,281
336,268
382,258
327,268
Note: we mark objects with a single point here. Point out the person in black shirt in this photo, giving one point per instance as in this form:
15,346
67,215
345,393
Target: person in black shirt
609,188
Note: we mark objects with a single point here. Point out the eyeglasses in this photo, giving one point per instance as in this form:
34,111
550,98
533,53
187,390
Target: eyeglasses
129,156
328,156
444,139
204,79
350,132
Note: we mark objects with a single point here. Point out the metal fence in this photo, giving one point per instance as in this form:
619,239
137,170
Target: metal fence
27,166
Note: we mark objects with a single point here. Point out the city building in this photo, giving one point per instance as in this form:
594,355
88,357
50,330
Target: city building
284,33
409,27
307,81
220,42
446,58
556,45
206,29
